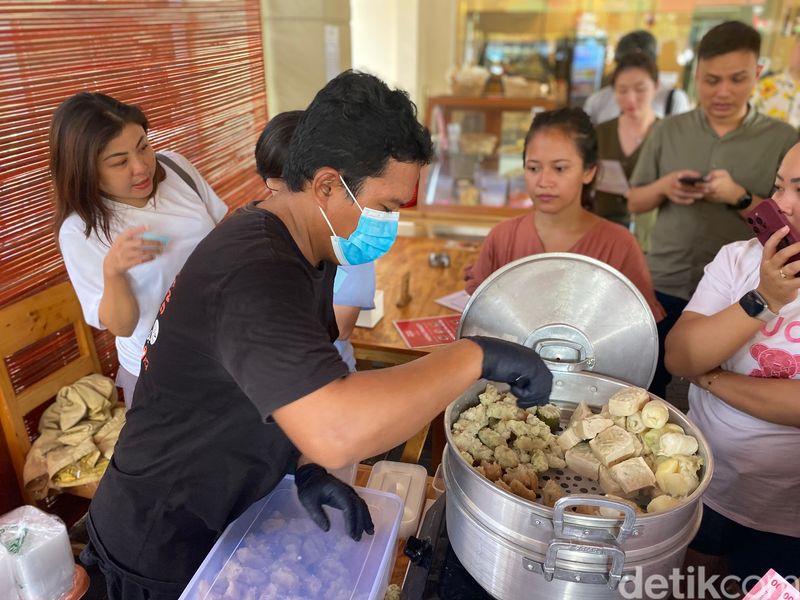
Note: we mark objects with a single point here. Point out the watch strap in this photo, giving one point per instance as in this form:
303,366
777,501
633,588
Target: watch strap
755,305
743,202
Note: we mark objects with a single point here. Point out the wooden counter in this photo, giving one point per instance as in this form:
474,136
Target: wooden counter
383,343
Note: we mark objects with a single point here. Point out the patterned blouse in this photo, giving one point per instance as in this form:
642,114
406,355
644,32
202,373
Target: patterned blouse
777,96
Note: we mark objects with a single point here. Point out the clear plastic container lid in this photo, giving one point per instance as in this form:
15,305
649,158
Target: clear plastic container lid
274,550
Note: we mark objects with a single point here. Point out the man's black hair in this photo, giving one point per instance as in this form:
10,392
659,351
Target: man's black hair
355,124
727,37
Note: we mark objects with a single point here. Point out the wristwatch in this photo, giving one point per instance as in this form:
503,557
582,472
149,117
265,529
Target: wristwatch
743,202
755,306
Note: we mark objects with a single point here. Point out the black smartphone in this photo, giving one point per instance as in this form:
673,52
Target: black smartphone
689,180
767,218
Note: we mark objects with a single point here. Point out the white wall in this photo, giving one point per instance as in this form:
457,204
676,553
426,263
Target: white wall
410,44
296,57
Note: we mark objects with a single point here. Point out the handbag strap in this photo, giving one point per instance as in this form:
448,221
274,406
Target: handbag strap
180,172
670,99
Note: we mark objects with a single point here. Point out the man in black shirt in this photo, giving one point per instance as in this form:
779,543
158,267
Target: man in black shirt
240,376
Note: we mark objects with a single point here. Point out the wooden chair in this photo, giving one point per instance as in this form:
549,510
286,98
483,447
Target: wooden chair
23,324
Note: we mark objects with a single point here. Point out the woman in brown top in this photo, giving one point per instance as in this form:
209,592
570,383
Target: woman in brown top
634,81
560,162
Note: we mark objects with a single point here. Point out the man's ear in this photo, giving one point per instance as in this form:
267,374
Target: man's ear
324,185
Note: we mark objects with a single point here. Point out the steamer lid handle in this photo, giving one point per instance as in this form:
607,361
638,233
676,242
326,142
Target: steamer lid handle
564,355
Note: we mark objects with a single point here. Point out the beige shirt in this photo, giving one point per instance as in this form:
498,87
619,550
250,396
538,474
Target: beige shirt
686,238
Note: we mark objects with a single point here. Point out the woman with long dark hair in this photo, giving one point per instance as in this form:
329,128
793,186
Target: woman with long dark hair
126,218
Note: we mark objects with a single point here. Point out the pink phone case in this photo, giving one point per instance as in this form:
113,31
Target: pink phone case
765,219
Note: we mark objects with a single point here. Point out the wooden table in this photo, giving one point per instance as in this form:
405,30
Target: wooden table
383,343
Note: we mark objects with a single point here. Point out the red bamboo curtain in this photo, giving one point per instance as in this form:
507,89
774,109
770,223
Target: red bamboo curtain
196,68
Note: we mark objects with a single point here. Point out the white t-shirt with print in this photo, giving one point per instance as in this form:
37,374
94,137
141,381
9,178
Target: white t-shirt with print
175,211
756,480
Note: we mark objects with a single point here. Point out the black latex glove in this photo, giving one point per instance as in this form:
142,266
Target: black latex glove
317,488
517,365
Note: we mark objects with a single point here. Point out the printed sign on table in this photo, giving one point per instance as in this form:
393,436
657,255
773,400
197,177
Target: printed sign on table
428,331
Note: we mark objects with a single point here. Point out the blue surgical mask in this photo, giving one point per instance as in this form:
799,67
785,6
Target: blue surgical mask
374,235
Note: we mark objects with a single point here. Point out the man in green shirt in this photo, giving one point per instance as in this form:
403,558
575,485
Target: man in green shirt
729,149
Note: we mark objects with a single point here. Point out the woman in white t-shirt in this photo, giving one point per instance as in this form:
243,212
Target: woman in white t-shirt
126,220
738,341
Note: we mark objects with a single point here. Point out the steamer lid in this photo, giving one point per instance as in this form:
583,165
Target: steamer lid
577,312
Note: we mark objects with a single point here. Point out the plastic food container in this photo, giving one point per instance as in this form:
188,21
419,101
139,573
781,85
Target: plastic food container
274,551
407,481
438,482
346,474
41,557
494,189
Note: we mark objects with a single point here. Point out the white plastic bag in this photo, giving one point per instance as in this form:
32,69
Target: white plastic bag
40,553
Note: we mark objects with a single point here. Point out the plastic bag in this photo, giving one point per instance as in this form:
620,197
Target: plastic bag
39,552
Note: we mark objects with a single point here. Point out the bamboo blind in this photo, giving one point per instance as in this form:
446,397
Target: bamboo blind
195,67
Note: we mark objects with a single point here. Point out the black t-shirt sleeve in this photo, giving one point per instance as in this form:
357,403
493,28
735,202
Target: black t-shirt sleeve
270,336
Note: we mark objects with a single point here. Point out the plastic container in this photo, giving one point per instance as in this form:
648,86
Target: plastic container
40,553
438,482
346,474
8,587
407,481
274,551
493,190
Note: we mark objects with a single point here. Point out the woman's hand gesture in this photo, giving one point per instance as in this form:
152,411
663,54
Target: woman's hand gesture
779,282
129,250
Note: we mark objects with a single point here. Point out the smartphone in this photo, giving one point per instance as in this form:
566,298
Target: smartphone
765,219
689,180
155,237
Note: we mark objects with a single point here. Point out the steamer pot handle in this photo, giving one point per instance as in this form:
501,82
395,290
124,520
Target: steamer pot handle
552,351
561,505
612,551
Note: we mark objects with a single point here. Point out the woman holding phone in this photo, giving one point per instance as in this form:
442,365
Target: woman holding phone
738,343
126,220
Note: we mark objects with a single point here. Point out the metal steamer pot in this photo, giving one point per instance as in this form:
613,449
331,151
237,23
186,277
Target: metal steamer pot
581,316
